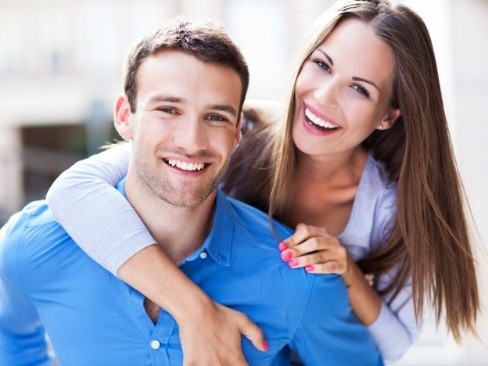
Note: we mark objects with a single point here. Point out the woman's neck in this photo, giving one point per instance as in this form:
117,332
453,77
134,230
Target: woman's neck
325,190
332,170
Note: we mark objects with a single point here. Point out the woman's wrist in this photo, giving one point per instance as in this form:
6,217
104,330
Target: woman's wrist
192,304
352,274
364,300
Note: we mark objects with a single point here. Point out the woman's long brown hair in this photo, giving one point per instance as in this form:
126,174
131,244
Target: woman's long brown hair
429,240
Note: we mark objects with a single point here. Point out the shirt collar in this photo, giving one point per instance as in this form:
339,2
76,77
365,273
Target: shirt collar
218,243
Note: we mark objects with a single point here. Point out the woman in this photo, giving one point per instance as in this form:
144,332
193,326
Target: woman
362,156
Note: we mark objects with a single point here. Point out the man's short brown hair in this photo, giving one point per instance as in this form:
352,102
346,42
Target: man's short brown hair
207,41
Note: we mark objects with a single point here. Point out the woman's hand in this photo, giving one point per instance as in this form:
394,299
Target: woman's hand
212,336
318,251
314,249
210,333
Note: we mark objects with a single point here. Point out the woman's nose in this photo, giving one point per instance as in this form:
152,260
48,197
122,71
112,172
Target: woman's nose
326,94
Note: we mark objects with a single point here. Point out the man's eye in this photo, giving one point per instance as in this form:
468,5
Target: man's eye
216,117
167,110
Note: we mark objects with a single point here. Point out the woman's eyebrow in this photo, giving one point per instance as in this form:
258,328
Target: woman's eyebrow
326,56
355,78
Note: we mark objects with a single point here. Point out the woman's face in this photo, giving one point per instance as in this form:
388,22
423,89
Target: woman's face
342,93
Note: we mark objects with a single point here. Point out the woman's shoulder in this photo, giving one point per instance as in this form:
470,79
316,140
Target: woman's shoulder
376,178
378,192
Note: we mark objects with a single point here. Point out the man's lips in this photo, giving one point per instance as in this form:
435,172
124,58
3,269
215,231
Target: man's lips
183,165
186,166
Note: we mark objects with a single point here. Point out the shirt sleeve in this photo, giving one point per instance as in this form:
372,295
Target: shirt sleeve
22,337
328,331
396,327
99,219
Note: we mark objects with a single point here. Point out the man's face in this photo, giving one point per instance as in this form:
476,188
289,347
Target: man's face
185,126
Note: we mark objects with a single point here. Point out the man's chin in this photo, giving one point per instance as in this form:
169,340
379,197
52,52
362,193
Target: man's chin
188,199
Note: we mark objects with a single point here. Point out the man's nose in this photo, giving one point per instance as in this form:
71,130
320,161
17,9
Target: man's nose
192,135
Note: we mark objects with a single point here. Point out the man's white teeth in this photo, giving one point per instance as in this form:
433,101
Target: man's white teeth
318,121
191,167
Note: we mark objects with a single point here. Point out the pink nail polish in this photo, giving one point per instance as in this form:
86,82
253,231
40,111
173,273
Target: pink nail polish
286,256
293,262
283,245
265,346
309,268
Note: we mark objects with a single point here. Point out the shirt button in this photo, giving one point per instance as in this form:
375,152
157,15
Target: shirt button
203,255
155,344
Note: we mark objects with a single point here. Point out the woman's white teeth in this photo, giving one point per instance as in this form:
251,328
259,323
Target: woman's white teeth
192,167
318,121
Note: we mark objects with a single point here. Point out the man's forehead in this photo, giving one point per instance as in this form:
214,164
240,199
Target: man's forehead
161,98
173,76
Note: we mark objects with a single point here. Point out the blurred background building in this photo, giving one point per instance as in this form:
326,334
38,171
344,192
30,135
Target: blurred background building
60,69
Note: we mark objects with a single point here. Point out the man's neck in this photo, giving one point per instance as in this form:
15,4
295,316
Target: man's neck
178,230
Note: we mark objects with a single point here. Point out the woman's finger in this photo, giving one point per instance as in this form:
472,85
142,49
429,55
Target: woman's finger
316,245
302,233
320,257
327,268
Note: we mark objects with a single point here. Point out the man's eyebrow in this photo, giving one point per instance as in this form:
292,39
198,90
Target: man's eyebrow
172,99
326,56
165,98
224,108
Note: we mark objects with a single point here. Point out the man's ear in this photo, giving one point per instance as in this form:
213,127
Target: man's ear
388,122
122,115
237,133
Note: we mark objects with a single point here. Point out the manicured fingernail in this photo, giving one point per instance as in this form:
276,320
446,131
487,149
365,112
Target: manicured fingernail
286,256
265,346
309,268
293,262
283,245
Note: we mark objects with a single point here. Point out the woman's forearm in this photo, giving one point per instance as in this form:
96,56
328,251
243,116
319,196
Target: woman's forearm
158,278
364,300
210,333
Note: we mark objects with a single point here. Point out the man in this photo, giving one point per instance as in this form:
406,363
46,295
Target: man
181,112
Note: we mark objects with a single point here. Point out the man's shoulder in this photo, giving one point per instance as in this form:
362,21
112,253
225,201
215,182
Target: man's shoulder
258,222
30,233
263,247
34,218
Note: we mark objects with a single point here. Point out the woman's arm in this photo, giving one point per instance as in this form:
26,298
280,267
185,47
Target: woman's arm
393,327
396,327
83,197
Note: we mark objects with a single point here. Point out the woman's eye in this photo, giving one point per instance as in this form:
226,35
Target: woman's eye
323,65
361,90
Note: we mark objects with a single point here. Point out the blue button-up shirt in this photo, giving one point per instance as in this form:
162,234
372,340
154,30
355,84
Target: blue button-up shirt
48,284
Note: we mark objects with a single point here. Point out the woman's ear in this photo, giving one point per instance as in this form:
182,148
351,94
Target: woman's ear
122,117
389,120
